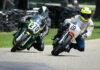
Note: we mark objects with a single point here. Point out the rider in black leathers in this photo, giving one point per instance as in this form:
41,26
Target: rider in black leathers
39,44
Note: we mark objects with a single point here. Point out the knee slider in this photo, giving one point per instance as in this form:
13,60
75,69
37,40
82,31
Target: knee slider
82,49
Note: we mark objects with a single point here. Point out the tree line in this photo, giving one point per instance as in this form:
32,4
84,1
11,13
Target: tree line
97,10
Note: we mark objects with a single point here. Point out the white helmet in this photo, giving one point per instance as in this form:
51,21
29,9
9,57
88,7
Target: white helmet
43,11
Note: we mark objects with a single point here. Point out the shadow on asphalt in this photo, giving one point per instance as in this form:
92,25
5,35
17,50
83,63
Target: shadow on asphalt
25,52
24,66
64,55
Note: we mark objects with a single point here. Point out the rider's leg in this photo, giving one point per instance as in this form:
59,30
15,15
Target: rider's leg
80,45
39,45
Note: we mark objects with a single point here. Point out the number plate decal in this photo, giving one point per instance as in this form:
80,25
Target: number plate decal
34,27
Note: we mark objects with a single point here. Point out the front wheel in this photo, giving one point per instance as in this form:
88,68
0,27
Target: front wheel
15,47
61,47
55,51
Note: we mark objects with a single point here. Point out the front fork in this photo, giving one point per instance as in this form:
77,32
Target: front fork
20,36
27,40
63,37
23,34
68,45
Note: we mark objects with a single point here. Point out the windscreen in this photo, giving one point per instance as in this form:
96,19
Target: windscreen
38,19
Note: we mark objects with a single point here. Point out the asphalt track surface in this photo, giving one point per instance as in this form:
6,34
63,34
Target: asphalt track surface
35,60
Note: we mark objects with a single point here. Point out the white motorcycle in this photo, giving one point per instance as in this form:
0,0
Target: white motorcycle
62,43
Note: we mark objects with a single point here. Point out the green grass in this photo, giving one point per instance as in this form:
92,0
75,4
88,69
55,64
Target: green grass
92,9
47,39
6,37
87,3
96,31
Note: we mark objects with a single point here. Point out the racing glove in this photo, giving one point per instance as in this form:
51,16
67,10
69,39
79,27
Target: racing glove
84,36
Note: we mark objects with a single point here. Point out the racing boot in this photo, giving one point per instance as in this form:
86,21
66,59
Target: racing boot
74,45
28,48
69,47
39,45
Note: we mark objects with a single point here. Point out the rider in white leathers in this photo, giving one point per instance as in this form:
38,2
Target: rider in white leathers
86,25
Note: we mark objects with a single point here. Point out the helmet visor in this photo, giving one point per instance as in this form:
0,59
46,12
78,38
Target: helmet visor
86,16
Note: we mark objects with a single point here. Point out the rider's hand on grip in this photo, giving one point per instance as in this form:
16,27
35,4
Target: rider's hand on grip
84,36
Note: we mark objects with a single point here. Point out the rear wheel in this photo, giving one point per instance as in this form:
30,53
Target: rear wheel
15,46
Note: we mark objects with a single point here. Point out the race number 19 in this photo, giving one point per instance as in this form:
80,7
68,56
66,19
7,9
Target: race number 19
73,27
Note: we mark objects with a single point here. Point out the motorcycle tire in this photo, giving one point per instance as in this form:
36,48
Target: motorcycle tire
14,48
55,52
60,48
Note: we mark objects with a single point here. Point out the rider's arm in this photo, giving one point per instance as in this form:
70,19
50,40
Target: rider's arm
47,27
45,31
66,22
89,30
71,20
